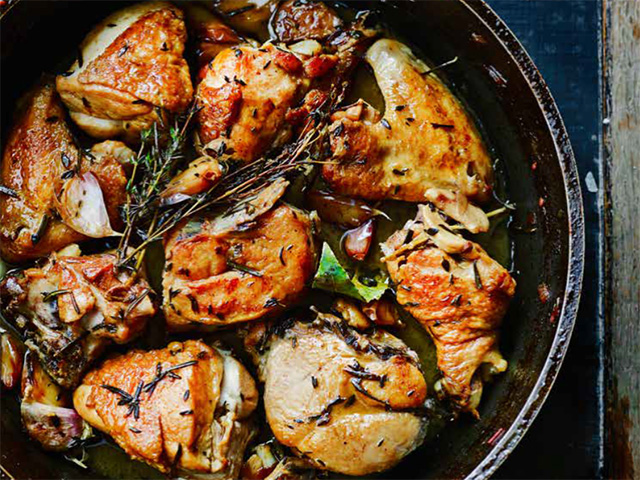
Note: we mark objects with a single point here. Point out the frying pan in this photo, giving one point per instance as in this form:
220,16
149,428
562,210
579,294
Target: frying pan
501,86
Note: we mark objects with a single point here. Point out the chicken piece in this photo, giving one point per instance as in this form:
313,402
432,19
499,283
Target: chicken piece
128,67
295,20
331,72
244,96
238,267
184,409
424,140
254,98
71,308
458,293
345,401
40,159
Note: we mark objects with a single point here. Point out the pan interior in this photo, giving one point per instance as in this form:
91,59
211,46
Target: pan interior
40,36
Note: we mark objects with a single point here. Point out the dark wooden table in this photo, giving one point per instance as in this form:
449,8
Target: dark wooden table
589,53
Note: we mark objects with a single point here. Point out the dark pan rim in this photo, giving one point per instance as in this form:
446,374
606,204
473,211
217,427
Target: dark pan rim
575,262
570,302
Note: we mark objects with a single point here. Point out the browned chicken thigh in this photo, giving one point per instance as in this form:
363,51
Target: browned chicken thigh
424,140
71,308
184,410
252,97
244,97
344,401
458,293
240,266
128,67
52,193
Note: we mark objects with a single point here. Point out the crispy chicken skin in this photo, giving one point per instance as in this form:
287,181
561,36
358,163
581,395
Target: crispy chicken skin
71,308
424,139
343,400
458,293
38,161
128,66
219,272
255,99
244,97
184,409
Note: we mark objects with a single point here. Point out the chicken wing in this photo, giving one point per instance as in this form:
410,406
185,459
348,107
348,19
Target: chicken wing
424,139
458,293
71,308
240,266
39,163
129,67
345,401
184,409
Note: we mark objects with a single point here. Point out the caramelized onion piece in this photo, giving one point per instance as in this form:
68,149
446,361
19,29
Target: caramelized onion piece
199,176
383,312
55,428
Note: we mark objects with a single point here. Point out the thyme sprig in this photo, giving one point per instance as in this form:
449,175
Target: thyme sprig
149,220
161,152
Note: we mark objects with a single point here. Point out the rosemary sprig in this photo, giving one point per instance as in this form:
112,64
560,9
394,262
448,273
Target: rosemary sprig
9,192
162,374
46,296
132,401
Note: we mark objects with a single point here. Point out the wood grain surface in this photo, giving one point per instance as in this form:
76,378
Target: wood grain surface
622,171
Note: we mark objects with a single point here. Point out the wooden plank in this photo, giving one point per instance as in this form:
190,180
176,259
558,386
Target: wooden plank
621,61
